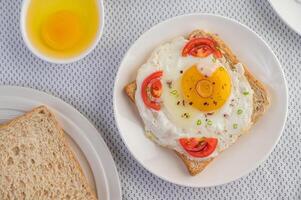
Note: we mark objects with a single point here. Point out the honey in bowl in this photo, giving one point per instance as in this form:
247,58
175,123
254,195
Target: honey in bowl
62,28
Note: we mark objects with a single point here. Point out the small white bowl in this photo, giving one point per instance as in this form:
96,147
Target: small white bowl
35,51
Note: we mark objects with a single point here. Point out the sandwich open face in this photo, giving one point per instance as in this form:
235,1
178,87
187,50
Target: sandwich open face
196,98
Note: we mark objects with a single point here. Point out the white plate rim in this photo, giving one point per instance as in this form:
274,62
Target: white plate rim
200,15
112,181
283,19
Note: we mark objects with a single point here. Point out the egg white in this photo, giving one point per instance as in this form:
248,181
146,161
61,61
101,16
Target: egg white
168,125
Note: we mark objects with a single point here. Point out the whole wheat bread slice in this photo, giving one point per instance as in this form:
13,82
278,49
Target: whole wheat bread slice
37,163
261,99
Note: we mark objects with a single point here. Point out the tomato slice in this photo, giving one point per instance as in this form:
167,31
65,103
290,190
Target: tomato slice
201,51
217,54
204,51
156,88
201,47
199,147
151,89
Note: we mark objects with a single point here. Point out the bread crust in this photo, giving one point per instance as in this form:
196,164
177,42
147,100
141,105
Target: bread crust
261,97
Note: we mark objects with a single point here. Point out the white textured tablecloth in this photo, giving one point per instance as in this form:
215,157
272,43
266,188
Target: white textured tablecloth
88,86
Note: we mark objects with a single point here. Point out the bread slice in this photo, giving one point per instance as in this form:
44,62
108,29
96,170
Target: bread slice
37,163
261,99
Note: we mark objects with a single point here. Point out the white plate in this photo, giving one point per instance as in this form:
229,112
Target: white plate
289,11
250,150
87,144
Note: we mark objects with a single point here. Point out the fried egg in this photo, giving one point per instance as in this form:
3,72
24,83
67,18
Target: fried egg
201,97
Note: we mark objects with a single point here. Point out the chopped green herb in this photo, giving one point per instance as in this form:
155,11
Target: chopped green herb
239,111
175,93
199,122
150,135
235,126
213,59
246,93
209,122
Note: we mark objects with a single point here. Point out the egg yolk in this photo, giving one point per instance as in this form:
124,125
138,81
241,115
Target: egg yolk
206,93
61,30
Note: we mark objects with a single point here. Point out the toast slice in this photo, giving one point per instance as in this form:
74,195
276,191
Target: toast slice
261,99
37,163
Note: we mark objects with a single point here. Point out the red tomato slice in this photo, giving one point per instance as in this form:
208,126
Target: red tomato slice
192,144
201,47
204,51
156,88
151,83
217,54
201,51
199,147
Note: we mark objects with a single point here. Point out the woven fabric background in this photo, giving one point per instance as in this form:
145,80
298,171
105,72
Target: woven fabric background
88,86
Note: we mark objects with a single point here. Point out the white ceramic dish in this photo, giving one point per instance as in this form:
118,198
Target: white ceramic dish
289,11
87,144
24,8
250,150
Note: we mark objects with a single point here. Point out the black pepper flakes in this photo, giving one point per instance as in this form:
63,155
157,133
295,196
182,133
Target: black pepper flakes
183,102
190,103
210,113
226,115
185,115
181,71
169,83
178,103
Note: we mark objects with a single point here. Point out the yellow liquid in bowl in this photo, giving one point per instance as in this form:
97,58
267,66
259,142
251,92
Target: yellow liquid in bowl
62,28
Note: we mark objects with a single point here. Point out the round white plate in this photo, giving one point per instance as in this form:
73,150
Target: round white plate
250,150
85,141
289,11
